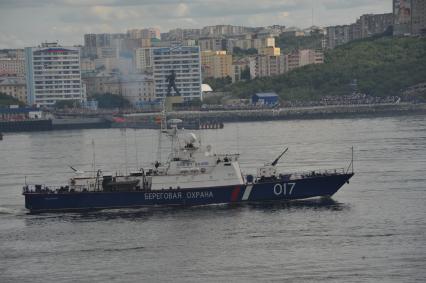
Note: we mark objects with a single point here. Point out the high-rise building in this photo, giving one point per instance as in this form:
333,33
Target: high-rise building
418,17
337,35
53,74
216,64
409,17
185,62
143,60
372,24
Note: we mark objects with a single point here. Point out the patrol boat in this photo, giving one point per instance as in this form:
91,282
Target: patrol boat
192,175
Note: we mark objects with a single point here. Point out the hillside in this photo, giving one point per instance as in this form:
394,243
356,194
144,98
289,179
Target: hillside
382,67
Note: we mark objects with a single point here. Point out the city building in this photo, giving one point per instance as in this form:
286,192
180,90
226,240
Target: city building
265,98
93,41
15,87
146,33
270,51
87,65
181,34
224,30
337,35
185,62
372,24
216,64
143,60
267,65
12,67
212,44
409,17
418,17
302,57
53,74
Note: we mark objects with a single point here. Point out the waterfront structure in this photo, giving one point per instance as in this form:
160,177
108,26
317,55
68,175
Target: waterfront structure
265,98
186,62
53,74
15,87
216,64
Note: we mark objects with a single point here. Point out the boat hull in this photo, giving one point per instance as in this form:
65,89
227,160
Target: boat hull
273,190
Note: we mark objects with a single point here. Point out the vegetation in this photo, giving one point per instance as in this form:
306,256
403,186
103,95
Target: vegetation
111,101
238,52
382,66
289,44
6,100
218,83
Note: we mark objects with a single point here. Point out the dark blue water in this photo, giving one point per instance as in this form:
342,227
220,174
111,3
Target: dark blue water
373,230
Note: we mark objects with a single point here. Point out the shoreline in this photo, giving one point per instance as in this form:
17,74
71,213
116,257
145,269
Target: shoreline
148,120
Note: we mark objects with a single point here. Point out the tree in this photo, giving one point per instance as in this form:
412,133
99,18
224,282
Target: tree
6,100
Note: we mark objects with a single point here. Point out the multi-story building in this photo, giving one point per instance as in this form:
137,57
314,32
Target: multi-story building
267,65
270,51
87,65
418,17
53,74
259,43
224,30
216,64
212,44
337,35
12,67
93,41
143,60
181,34
372,24
15,87
185,62
303,57
146,33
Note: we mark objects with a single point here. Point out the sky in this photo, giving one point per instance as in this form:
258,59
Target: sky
26,23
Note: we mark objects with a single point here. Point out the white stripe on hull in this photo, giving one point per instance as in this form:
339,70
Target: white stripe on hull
247,192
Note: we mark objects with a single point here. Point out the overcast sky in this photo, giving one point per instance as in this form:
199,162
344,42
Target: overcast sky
29,22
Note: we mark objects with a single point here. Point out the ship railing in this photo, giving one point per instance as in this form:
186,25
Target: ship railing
315,173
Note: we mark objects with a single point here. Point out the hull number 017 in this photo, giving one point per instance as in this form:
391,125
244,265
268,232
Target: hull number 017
285,189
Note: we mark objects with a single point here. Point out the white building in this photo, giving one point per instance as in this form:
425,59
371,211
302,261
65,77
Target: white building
143,60
53,74
185,61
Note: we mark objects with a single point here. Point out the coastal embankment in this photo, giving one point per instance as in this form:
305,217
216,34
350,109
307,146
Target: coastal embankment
316,112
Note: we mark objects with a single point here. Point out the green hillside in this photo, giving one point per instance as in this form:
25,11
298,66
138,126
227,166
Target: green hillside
382,67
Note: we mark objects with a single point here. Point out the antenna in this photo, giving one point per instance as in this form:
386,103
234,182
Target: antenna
94,156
